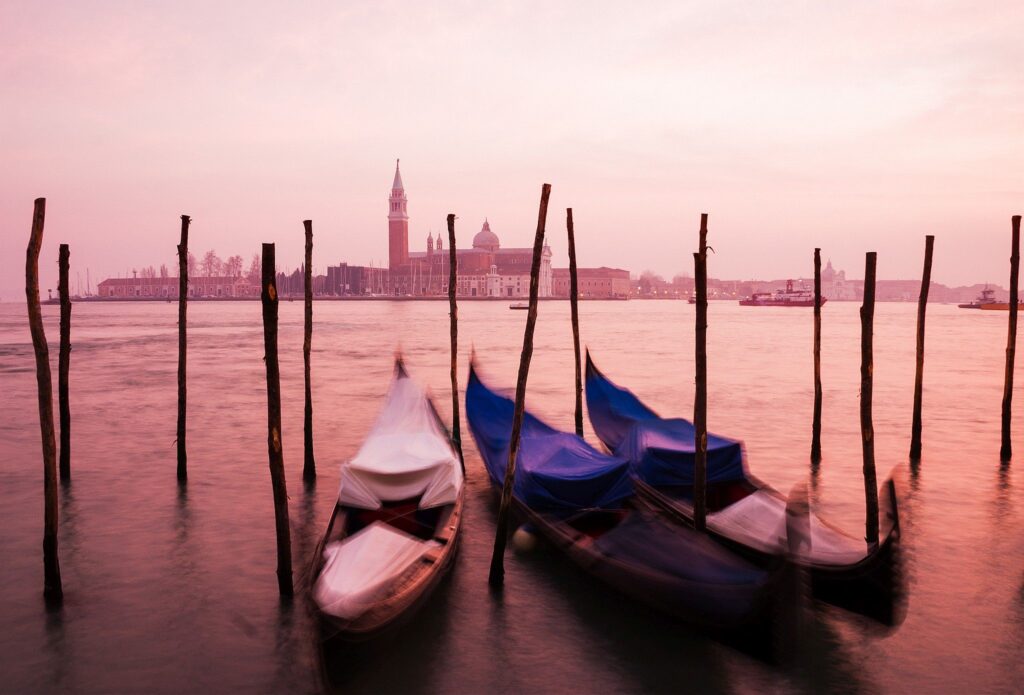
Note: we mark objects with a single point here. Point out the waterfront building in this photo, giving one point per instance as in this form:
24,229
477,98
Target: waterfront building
484,270
355,280
593,283
834,284
167,288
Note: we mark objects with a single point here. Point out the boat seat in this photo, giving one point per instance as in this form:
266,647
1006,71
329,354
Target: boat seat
404,515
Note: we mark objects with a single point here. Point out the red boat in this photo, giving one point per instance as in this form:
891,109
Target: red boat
987,296
786,297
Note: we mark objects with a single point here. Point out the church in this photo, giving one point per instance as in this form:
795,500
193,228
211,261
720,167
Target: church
485,270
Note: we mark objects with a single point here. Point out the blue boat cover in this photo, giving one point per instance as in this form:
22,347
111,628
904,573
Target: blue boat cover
660,450
555,471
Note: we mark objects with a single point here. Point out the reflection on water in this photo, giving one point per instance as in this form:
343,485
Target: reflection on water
172,588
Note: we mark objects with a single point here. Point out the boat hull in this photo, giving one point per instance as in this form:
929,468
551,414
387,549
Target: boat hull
872,587
776,302
403,603
714,607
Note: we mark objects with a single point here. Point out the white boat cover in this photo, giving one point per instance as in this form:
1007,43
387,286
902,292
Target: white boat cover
360,570
759,521
405,455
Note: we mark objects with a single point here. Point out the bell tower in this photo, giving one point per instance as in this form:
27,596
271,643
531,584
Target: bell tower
398,224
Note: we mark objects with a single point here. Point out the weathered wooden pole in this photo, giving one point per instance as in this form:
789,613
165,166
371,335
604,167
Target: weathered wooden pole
497,573
64,364
816,418
1006,450
52,590
453,314
867,429
922,305
274,448
574,312
309,464
700,399
182,344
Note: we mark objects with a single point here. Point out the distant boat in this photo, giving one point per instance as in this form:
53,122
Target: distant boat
987,296
519,306
395,527
999,306
786,297
692,299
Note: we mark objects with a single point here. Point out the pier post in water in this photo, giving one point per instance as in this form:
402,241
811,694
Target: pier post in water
816,418
309,464
64,364
700,399
268,296
867,430
182,344
1006,450
574,312
497,573
922,306
453,314
52,590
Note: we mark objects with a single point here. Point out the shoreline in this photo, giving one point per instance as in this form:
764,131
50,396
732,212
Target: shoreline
511,300
299,298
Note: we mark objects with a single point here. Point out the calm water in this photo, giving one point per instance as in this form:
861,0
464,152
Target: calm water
172,589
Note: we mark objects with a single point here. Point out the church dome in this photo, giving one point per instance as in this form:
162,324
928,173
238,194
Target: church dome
486,239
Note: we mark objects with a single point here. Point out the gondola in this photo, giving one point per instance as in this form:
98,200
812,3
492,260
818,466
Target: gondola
744,513
580,500
395,527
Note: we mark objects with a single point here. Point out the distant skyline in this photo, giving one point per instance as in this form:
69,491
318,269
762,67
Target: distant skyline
849,126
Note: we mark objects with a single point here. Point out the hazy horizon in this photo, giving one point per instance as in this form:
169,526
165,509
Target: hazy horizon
848,127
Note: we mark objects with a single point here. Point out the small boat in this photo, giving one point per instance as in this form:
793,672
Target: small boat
787,297
987,296
580,500
999,306
395,527
692,299
519,306
744,513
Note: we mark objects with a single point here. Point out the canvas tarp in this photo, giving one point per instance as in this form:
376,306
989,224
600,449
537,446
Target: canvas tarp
613,410
554,470
759,521
360,570
406,455
660,450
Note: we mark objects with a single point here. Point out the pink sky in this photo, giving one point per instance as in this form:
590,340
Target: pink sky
851,126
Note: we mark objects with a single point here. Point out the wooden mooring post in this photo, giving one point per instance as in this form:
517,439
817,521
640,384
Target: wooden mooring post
182,345
53,591
453,316
309,463
922,307
64,363
816,417
867,430
700,399
268,296
575,314
496,576
1006,450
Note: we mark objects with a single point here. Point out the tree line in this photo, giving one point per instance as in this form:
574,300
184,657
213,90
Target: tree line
210,266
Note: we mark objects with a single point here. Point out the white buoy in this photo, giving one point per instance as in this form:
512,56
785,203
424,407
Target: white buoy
523,540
